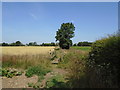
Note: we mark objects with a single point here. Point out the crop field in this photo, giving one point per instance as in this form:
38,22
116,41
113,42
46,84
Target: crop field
23,57
25,50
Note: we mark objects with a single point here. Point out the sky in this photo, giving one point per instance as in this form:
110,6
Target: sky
39,21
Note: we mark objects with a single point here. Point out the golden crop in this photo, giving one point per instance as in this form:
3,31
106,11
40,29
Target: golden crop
26,50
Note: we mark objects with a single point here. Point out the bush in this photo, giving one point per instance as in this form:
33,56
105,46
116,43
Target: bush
104,62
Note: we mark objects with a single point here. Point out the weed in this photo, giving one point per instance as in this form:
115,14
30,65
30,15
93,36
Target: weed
9,74
57,81
37,70
30,84
33,85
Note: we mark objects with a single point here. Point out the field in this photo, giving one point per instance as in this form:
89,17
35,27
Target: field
24,50
24,60
36,61
47,67
84,48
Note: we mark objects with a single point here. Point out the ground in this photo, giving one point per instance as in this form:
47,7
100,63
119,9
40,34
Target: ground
18,81
22,81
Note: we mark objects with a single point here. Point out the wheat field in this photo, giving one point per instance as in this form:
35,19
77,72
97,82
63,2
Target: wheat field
26,50
26,56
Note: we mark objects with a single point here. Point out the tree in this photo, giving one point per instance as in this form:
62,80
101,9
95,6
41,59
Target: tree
32,44
18,43
75,44
64,34
85,43
5,44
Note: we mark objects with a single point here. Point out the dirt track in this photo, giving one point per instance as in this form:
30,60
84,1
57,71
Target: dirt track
18,81
22,81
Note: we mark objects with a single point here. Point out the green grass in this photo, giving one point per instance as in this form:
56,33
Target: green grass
70,56
57,81
40,71
83,48
36,70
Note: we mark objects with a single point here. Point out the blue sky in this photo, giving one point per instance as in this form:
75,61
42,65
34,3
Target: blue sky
29,21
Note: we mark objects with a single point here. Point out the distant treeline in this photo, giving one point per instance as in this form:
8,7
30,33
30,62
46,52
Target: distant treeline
85,43
18,43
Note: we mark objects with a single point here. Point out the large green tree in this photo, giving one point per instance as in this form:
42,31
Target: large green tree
64,34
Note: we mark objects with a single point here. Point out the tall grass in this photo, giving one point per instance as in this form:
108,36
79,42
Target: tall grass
25,61
74,61
69,56
25,57
77,69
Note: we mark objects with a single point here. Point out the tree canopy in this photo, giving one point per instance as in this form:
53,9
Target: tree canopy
64,34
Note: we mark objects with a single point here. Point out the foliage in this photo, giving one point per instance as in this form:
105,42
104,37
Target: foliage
75,44
32,44
4,44
33,85
57,81
9,73
104,62
49,44
64,34
74,61
17,43
77,69
37,70
69,56
85,43
30,84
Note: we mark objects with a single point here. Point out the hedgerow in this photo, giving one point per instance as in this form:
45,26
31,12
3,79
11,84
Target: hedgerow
104,62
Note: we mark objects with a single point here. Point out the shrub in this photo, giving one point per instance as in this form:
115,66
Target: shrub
104,62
